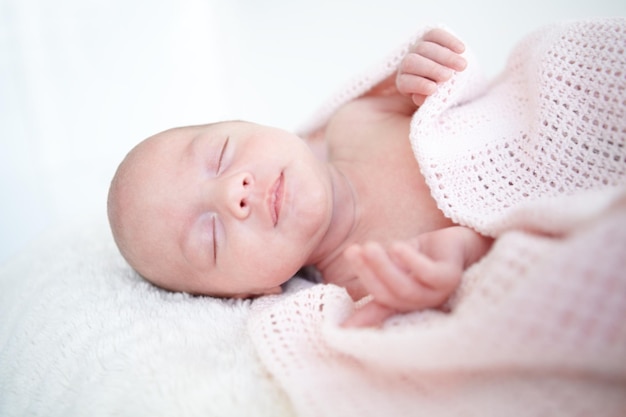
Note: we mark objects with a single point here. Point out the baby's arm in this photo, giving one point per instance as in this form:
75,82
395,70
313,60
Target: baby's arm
432,60
413,275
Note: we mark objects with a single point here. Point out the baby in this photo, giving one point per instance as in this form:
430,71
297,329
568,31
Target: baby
234,209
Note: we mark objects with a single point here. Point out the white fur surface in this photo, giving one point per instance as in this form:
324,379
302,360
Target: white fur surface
81,334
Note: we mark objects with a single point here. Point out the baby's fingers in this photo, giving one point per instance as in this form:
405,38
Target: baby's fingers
419,75
439,277
370,315
371,264
391,285
444,38
427,65
438,61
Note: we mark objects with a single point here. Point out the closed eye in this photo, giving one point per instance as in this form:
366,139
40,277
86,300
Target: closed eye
214,241
219,161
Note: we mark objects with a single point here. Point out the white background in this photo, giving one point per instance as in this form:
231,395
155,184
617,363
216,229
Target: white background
82,81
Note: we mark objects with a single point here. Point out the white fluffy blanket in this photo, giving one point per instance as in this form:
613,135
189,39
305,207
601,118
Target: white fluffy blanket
536,158
82,335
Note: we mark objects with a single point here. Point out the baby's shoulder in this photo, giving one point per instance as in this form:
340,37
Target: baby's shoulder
367,123
372,109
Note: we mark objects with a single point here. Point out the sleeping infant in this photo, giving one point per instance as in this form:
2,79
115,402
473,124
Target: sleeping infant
234,209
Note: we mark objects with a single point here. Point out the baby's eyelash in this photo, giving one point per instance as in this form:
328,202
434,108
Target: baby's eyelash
219,161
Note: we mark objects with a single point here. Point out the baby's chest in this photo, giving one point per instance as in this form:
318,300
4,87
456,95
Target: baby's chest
395,200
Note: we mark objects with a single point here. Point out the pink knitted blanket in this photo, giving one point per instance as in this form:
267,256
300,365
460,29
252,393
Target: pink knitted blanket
537,159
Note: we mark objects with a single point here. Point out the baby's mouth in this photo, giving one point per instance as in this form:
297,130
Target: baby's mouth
276,198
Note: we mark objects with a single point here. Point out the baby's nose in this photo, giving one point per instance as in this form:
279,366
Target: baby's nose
239,189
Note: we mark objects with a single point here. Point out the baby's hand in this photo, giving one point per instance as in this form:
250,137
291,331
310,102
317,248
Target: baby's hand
433,59
412,275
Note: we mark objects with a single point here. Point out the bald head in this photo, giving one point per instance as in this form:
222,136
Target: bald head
122,202
141,204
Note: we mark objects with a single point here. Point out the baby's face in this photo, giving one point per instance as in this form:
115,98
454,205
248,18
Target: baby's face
230,209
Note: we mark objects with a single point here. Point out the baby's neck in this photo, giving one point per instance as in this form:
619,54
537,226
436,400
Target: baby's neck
343,221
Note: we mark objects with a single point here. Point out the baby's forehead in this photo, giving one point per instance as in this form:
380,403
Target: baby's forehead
162,153
175,139
162,145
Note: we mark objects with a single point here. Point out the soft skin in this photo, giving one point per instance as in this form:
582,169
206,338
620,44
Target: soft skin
235,208
194,208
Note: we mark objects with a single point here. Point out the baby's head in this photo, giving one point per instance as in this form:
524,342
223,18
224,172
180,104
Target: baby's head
227,209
